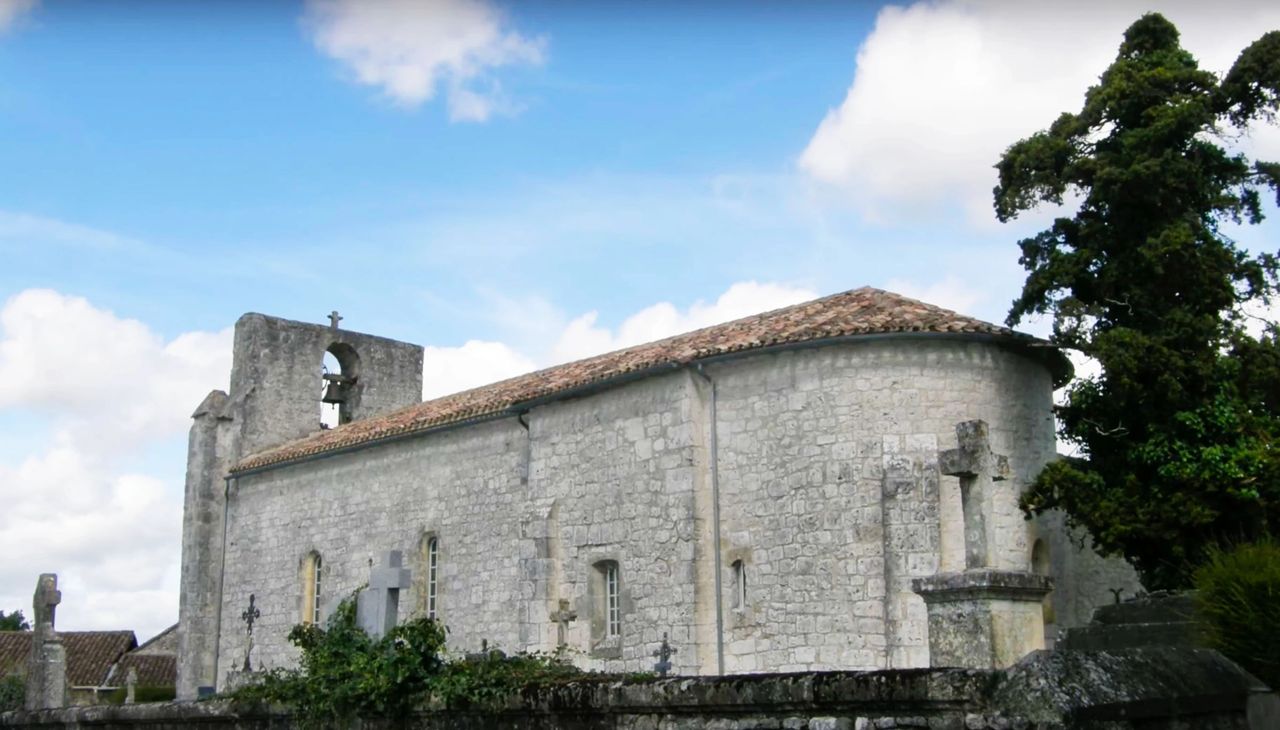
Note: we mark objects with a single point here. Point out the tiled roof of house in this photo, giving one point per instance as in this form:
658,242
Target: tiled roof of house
864,311
154,670
90,654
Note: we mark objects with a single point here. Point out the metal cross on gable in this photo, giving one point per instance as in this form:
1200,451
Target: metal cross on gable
250,615
663,653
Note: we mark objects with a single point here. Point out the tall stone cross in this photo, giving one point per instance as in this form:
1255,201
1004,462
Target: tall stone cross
562,617
377,605
47,664
978,469
45,603
334,319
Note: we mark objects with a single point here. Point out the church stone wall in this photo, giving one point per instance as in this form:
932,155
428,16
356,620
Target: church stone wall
464,486
829,497
830,492
626,472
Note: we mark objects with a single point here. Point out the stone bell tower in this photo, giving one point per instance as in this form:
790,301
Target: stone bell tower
277,387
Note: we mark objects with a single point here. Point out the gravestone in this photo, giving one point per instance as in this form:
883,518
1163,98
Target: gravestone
377,605
47,665
131,686
988,616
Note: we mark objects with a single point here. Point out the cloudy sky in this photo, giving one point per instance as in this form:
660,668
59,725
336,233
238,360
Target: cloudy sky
509,185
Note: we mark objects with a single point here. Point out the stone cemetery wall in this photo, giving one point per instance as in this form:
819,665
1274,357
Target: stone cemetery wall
1157,689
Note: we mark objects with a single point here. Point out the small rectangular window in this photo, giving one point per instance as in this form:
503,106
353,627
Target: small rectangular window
315,606
613,626
433,561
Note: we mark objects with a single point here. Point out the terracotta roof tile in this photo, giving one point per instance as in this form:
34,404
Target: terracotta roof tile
90,654
864,311
154,670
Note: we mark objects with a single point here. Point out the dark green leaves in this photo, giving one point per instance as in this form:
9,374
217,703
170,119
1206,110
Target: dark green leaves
1177,429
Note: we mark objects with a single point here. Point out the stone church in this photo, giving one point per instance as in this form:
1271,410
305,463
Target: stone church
783,492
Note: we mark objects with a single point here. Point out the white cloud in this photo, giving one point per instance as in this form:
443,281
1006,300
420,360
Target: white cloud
61,355
448,370
451,369
951,292
12,10
583,337
410,49
942,88
23,228
112,387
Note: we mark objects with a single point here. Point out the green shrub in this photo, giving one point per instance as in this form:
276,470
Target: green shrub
345,674
12,693
1238,603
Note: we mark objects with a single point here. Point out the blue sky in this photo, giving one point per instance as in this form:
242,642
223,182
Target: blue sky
510,185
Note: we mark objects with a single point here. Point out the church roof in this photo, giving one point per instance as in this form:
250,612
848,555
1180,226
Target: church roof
859,312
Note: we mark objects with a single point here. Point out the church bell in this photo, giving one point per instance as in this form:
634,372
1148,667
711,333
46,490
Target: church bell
336,390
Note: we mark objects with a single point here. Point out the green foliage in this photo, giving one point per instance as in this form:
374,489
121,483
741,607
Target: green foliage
13,622
345,674
12,693
1238,604
477,679
1176,432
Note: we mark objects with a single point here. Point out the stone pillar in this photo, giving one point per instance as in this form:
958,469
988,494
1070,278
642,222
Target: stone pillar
47,666
989,615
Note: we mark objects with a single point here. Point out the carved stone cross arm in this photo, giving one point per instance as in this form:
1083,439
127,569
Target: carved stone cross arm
377,606
978,469
562,616
45,602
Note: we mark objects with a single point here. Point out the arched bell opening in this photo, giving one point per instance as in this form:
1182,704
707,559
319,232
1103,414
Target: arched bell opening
339,376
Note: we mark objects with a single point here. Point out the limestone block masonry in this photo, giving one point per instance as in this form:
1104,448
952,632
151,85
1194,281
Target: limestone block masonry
830,500
765,505
274,398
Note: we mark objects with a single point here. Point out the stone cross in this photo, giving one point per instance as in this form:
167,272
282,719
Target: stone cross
334,319
250,615
978,469
45,603
47,663
663,653
130,686
562,617
377,605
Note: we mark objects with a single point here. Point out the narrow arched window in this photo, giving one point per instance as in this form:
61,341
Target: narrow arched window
433,567
311,591
739,586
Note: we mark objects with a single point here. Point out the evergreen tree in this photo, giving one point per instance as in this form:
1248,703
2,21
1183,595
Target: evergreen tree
1178,434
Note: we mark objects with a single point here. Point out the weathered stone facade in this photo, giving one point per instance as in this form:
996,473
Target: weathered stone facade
768,508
